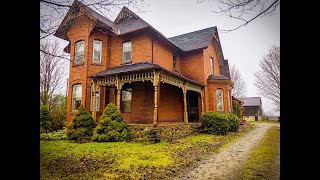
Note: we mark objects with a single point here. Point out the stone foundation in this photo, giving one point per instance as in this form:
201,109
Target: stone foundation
148,133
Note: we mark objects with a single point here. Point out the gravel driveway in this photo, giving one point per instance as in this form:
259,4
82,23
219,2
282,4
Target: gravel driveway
222,165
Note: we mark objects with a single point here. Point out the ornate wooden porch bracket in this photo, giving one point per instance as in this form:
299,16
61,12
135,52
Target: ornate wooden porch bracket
155,85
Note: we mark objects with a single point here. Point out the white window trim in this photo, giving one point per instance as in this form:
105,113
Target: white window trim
97,99
73,97
93,51
123,56
218,99
75,52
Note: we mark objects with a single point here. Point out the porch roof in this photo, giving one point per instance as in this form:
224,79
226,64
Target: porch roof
140,66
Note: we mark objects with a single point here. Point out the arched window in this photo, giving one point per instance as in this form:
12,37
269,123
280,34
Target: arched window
76,96
97,48
211,65
219,93
97,99
79,52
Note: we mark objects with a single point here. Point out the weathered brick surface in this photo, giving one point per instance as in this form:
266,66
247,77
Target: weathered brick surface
146,46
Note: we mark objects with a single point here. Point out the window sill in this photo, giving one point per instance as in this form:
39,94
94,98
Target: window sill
77,64
96,64
126,62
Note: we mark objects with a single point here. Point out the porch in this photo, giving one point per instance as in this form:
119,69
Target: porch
147,94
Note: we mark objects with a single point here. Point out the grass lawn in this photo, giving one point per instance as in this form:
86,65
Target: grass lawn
263,121
264,162
65,159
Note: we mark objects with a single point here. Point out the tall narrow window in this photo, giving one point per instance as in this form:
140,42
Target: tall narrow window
211,65
174,61
126,52
79,52
97,99
76,96
229,101
219,100
97,48
126,100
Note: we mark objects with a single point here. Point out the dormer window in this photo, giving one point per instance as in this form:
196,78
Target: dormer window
79,52
97,47
126,52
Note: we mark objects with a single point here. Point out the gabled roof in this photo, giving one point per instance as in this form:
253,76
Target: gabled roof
251,101
194,40
136,67
127,22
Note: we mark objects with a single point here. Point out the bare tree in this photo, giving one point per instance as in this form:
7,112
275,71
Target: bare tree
52,71
268,78
239,86
245,10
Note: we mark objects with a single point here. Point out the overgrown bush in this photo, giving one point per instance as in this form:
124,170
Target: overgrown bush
45,118
59,135
82,124
111,127
214,123
236,108
234,122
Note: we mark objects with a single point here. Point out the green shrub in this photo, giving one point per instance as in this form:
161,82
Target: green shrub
236,108
45,118
214,123
111,127
58,135
234,122
82,124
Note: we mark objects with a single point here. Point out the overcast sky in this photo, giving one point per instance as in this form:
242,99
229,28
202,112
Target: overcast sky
244,47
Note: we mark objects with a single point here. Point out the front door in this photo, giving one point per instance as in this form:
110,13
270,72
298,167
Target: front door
193,109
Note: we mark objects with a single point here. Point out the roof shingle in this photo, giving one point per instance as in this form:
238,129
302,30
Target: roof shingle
194,40
251,101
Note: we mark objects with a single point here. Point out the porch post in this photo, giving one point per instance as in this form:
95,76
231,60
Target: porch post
202,101
155,86
94,90
185,113
119,87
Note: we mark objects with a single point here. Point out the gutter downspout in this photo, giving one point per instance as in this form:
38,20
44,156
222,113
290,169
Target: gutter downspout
152,50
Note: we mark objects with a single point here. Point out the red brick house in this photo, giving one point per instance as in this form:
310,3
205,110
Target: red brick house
151,78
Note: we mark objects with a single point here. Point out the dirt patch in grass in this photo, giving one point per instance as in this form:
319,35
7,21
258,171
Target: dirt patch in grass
65,159
264,161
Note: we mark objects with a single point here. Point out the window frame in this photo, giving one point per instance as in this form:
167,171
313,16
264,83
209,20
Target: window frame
93,51
174,62
76,62
97,98
219,90
123,52
73,103
129,89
